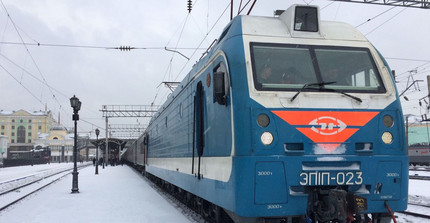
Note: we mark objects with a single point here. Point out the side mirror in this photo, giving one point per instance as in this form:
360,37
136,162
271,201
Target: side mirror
220,88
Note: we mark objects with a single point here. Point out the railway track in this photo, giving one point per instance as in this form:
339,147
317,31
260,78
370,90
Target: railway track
419,168
418,210
15,190
418,177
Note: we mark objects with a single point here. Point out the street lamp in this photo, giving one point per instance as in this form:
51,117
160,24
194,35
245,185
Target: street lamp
76,105
97,151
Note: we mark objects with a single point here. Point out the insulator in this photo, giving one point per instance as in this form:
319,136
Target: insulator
190,6
125,48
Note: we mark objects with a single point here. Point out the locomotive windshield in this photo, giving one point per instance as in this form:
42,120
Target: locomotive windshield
289,67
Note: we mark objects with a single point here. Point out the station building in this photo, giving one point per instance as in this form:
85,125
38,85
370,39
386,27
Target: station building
23,127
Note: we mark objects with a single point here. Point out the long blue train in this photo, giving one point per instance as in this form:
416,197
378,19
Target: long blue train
286,119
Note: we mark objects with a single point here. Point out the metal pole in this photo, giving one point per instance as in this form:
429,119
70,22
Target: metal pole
75,173
407,131
428,94
107,143
97,155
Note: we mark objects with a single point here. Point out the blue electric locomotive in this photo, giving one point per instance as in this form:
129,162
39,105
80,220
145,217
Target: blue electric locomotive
286,117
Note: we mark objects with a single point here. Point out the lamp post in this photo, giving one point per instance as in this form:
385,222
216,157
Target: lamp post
31,156
97,151
76,105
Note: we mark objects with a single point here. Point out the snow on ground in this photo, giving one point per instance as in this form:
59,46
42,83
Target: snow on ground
116,194
120,194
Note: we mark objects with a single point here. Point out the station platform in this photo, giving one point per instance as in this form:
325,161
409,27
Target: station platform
116,194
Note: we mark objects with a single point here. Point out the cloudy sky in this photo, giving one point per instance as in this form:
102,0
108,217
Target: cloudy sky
77,37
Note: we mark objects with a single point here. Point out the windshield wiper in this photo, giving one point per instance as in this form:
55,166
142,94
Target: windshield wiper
322,88
311,86
344,93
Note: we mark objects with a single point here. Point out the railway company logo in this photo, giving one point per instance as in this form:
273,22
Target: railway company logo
328,129
327,125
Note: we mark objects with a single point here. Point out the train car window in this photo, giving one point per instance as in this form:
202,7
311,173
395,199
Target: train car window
142,147
220,84
287,67
180,110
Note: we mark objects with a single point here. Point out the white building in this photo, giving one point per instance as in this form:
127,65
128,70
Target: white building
61,142
3,146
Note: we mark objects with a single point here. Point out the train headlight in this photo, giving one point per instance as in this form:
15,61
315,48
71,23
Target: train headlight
263,120
387,138
266,138
388,121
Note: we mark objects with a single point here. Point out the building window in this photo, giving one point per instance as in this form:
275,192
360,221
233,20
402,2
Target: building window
2,127
12,141
29,134
13,120
13,127
21,135
29,121
29,127
40,127
13,134
29,141
20,121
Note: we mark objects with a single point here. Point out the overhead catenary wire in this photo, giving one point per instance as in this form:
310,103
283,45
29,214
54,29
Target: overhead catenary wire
19,82
368,20
201,42
30,55
385,22
32,75
24,71
168,69
196,48
123,48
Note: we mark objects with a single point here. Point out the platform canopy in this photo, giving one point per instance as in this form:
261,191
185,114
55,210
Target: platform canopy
114,143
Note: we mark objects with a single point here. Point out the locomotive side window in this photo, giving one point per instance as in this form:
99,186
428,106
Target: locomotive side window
220,84
279,67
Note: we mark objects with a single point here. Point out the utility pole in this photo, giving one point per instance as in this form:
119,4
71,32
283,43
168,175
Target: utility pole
407,131
107,144
428,88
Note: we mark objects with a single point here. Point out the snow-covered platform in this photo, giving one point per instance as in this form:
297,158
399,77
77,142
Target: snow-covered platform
116,194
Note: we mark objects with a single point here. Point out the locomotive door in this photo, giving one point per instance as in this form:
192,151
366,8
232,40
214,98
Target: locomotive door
212,129
198,126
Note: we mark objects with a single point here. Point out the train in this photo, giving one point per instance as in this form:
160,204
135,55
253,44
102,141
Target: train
40,154
419,154
284,119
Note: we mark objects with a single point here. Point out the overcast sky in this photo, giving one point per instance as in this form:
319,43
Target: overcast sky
75,36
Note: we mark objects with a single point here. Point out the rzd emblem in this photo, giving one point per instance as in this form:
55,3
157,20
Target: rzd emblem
327,125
